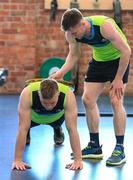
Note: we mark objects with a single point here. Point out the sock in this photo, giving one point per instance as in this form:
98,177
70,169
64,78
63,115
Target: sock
120,139
94,138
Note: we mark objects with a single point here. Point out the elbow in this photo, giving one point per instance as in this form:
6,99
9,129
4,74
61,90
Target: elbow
23,130
69,128
71,131
72,128
77,56
128,52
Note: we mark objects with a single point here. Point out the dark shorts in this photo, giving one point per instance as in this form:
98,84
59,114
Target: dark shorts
57,123
104,71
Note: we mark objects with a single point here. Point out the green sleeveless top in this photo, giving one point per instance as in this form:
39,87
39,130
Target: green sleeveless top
103,49
39,114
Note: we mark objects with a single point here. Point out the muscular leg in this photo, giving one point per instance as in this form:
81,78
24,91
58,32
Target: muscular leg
90,96
118,155
119,115
91,93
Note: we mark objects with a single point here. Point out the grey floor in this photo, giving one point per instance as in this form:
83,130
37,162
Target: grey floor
48,161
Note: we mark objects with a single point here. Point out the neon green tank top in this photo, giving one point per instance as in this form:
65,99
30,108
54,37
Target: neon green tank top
39,114
103,49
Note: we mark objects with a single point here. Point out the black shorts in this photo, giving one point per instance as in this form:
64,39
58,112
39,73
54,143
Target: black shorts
104,71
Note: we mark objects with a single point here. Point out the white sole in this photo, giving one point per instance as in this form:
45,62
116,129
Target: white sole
92,156
117,164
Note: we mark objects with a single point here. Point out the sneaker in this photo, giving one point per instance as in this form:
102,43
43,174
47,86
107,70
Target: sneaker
92,151
58,136
117,157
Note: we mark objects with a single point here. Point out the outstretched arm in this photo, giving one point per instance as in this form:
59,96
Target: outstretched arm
71,124
24,125
72,57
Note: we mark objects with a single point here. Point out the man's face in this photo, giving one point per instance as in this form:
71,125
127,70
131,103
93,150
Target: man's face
49,104
79,30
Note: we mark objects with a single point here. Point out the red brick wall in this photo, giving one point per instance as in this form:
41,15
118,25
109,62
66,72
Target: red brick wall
27,38
17,42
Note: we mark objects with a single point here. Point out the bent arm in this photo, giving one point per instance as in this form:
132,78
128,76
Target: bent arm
109,32
72,57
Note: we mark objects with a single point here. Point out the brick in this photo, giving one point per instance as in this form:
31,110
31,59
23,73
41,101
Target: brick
4,12
4,1
2,43
10,6
18,13
19,1
29,38
9,31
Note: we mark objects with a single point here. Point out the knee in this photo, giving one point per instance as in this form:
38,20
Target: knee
115,102
88,101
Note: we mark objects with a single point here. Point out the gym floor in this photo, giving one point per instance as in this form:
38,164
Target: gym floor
47,160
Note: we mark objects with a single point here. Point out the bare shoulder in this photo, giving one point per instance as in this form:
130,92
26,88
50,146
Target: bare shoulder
71,105
70,98
108,22
108,29
25,97
25,92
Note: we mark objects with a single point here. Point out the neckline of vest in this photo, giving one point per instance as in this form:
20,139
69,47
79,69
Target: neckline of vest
92,32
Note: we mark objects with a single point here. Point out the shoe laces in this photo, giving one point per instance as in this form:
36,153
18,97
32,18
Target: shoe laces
117,153
87,147
90,146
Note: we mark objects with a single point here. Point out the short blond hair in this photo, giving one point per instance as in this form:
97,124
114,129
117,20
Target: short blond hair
48,88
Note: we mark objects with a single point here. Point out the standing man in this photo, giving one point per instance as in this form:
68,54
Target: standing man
47,102
110,62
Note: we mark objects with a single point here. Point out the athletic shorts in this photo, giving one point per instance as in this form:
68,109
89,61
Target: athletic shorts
104,71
